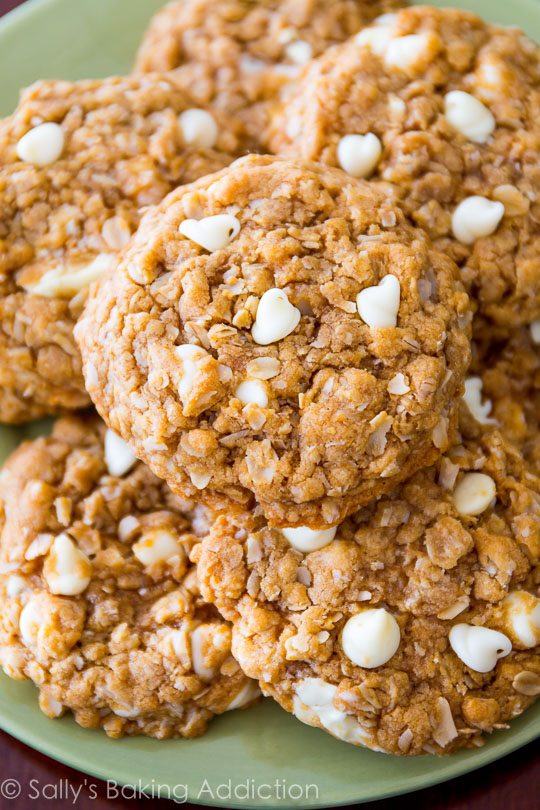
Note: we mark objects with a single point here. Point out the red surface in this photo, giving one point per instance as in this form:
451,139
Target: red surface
510,784
29,779
7,5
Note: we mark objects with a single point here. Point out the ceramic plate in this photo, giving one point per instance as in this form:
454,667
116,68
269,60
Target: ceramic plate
261,757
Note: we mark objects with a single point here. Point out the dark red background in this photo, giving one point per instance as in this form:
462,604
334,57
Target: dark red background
510,784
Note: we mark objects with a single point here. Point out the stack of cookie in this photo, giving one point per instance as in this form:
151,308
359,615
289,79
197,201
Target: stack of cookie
317,366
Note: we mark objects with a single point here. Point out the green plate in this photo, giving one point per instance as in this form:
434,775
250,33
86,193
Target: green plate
262,757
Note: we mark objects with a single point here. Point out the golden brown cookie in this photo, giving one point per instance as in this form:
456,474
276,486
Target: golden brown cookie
238,54
504,388
99,603
444,107
415,627
275,331
77,163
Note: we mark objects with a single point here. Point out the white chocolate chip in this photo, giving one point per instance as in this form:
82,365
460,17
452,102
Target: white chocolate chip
379,306
198,128
247,694
398,385
305,540
406,53
479,647
42,145
212,233
521,612
252,391
119,456
446,730
201,638
370,638
358,155
473,400
376,39
67,570
68,279
299,52
475,218
474,493
30,621
469,116
156,546
535,332
313,704
263,368
386,19
276,318
190,356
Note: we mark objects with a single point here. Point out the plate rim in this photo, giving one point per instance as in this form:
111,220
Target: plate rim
455,768
26,8
59,751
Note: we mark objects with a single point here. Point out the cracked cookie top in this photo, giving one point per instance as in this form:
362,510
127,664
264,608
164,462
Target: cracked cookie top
445,108
277,331
415,626
99,602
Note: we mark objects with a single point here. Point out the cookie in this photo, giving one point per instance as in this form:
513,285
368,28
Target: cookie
77,163
504,389
99,603
415,626
239,54
444,107
276,332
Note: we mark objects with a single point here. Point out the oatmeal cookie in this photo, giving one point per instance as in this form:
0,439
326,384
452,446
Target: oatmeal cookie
77,163
99,603
504,389
414,627
238,54
276,331
444,107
